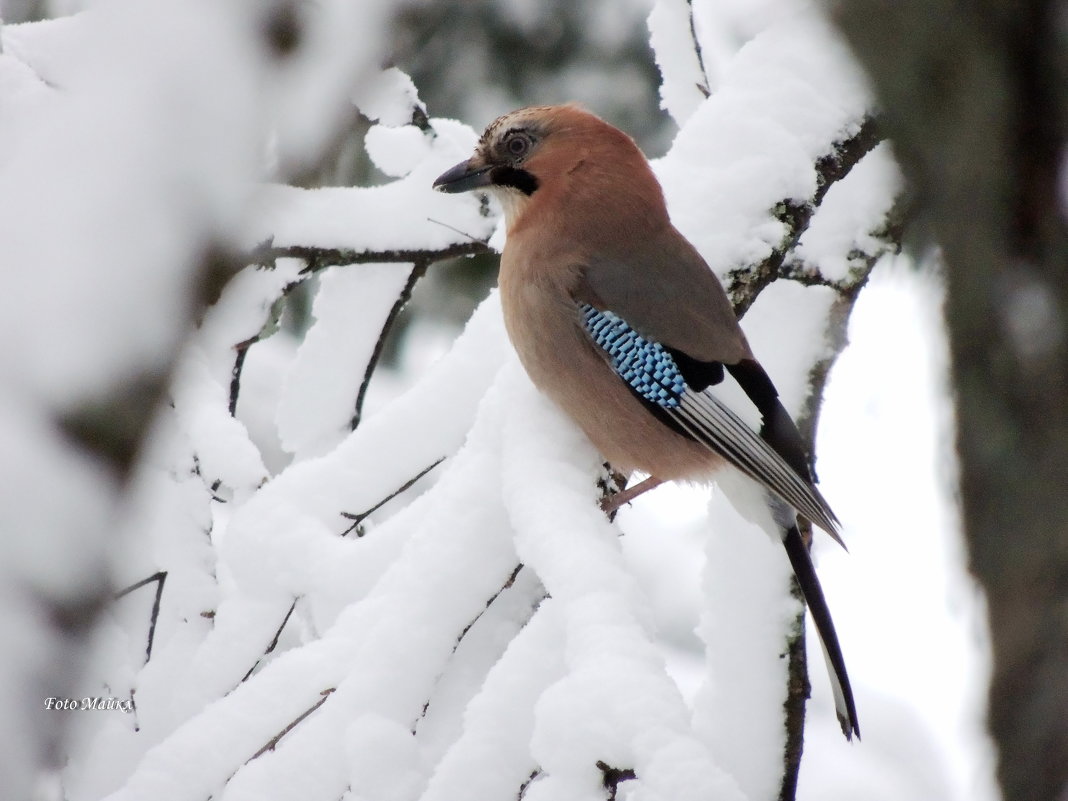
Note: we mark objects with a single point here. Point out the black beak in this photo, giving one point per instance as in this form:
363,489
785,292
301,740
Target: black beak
463,178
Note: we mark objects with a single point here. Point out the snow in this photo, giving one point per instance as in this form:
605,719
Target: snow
680,67
919,657
401,215
319,395
341,46
617,703
491,757
789,93
389,99
853,209
651,644
787,328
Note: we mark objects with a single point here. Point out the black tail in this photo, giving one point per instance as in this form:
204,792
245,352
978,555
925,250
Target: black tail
821,616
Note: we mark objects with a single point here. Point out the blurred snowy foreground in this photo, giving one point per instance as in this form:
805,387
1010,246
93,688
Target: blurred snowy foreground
487,633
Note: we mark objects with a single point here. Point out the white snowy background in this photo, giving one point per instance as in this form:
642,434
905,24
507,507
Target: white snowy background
139,131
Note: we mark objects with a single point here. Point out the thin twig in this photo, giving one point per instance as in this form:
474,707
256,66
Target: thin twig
418,271
159,577
319,259
269,328
508,583
273,742
705,86
274,640
455,230
238,368
534,774
358,518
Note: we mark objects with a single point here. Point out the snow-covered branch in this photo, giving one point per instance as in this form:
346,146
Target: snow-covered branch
746,283
422,599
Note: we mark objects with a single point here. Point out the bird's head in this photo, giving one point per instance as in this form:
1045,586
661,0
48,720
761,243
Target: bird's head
542,150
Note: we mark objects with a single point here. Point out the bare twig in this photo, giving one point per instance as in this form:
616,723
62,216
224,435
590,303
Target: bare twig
358,518
268,329
319,259
273,742
704,87
507,583
274,640
534,774
235,374
159,577
418,271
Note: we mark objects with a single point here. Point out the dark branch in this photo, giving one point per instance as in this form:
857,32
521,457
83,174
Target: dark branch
235,373
359,517
319,259
745,284
507,583
704,86
611,777
418,271
159,578
534,774
269,328
274,640
798,691
273,742
846,154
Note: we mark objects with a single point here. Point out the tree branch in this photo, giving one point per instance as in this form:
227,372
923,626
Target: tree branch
704,87
271,744
159,578
274,641
611,777
418,271
358,517
508,583
319,259
745,284
534,774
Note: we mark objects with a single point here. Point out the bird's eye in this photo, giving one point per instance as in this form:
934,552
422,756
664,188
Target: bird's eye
517,145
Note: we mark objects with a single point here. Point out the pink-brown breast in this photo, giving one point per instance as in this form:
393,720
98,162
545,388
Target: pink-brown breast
545,327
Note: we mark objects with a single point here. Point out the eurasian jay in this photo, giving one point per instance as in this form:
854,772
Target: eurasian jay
617,318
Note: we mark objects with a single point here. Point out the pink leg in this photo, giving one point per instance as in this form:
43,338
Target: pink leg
613,502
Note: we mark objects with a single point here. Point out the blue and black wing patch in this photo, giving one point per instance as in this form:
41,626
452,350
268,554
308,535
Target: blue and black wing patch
653,372
645,365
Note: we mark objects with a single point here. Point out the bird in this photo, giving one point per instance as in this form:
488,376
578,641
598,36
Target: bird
618,319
